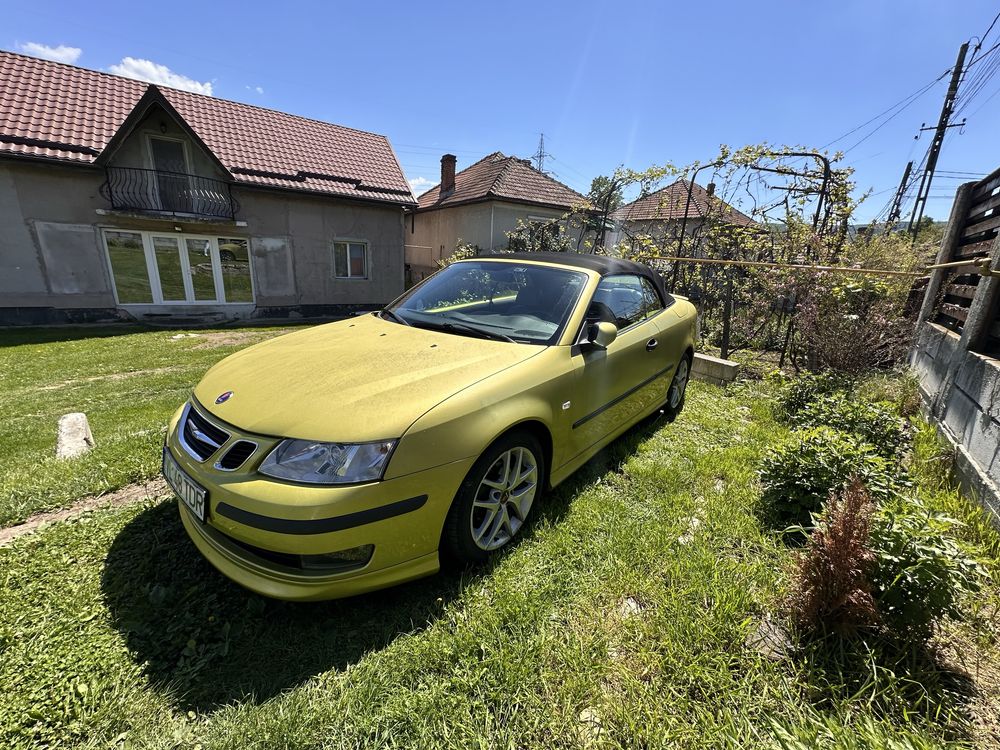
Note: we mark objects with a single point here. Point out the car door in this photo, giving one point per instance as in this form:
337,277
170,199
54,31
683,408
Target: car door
631,376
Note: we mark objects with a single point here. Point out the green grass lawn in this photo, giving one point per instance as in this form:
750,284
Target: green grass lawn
127,380
621,619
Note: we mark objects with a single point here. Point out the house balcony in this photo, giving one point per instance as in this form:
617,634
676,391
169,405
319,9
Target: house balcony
168,193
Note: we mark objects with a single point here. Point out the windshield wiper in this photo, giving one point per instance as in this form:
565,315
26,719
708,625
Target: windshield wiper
386,312
481,332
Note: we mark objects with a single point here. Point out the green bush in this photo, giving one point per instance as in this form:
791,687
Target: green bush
799,392
875,423
920,571
798,476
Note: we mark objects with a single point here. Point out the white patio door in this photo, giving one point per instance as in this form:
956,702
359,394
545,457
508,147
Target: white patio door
187,269
179,269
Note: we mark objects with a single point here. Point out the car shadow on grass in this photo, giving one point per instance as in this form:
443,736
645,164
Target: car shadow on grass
209,642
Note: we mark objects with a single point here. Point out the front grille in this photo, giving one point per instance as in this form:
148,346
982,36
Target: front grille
237,455
201,437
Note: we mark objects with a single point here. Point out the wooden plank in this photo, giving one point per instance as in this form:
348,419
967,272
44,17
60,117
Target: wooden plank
977,211
965,291
989,225
986,186
954,311
979,249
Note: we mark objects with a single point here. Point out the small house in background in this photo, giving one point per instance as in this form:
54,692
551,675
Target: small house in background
479,205
660,216
125,200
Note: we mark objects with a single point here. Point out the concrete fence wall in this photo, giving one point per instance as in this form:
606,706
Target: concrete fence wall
959,379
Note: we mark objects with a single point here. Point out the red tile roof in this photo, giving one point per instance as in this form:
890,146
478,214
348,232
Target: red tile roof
500,177
62,112
670,202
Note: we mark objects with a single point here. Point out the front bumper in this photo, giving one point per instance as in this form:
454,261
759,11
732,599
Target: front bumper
402,518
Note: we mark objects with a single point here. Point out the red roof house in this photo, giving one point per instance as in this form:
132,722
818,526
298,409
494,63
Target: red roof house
660,216
128,199
480,204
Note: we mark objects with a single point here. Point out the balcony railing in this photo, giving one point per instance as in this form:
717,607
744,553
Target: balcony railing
130,189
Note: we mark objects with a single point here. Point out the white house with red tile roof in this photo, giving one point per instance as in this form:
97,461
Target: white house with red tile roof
122,199
479,205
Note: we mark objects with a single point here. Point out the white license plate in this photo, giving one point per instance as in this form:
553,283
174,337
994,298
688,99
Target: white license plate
191,494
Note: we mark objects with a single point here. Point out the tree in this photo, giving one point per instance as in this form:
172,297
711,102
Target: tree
606,192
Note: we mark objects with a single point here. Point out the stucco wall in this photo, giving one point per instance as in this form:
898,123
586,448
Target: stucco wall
433,235
52,256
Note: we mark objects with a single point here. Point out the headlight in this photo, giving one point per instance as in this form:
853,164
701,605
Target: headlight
327,463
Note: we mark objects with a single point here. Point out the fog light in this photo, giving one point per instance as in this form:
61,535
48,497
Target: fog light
348,559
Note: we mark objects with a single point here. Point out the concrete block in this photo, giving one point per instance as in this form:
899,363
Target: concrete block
714,370
959,415
75,437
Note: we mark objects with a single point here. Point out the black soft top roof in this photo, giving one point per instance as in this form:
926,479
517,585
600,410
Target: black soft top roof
603,264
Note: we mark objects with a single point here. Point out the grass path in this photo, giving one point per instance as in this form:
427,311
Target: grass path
132,493
126,379
621,620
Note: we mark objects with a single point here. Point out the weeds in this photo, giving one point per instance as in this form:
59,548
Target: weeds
831,587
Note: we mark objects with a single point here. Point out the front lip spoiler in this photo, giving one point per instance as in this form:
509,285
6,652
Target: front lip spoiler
320,525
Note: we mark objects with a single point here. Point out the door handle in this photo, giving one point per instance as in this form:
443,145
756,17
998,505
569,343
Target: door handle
650,345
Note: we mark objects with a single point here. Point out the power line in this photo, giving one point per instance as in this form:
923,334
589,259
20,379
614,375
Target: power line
983,37
903,103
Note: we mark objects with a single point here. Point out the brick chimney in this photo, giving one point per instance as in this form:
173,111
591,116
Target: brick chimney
447,174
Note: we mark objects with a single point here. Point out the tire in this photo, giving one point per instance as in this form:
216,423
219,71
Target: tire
677,391
492,506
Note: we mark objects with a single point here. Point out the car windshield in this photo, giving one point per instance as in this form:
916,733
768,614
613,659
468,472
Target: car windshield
524,303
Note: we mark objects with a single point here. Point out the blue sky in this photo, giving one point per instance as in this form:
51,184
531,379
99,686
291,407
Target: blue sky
608,83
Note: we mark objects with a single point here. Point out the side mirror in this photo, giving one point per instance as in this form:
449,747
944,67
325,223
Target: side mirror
601,335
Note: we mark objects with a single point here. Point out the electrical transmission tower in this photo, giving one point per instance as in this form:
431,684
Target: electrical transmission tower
935,148
540,155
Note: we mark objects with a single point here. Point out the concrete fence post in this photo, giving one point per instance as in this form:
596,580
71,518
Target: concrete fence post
976,327
956,224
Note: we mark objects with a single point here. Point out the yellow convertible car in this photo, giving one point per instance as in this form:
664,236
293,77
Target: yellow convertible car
351,456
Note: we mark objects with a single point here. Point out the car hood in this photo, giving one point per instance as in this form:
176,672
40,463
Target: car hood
354,380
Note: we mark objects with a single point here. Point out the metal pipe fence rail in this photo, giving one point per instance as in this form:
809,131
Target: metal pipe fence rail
792,266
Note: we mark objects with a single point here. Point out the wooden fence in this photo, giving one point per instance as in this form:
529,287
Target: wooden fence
956,346
977,217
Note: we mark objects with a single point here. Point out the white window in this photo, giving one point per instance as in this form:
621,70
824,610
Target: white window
160,268
350,260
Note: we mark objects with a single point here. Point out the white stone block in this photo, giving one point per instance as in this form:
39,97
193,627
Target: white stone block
75,437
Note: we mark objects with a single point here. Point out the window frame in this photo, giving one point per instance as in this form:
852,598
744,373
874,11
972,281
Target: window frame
153,273
664,304
347,242
640,277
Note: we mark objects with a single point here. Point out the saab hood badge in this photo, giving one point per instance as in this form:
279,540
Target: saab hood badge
224,397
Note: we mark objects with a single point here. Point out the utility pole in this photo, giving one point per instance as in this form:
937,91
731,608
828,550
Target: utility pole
935,149
539,156
897,202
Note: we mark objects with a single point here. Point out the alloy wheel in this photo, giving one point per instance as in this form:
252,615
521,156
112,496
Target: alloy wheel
678,384
503,498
